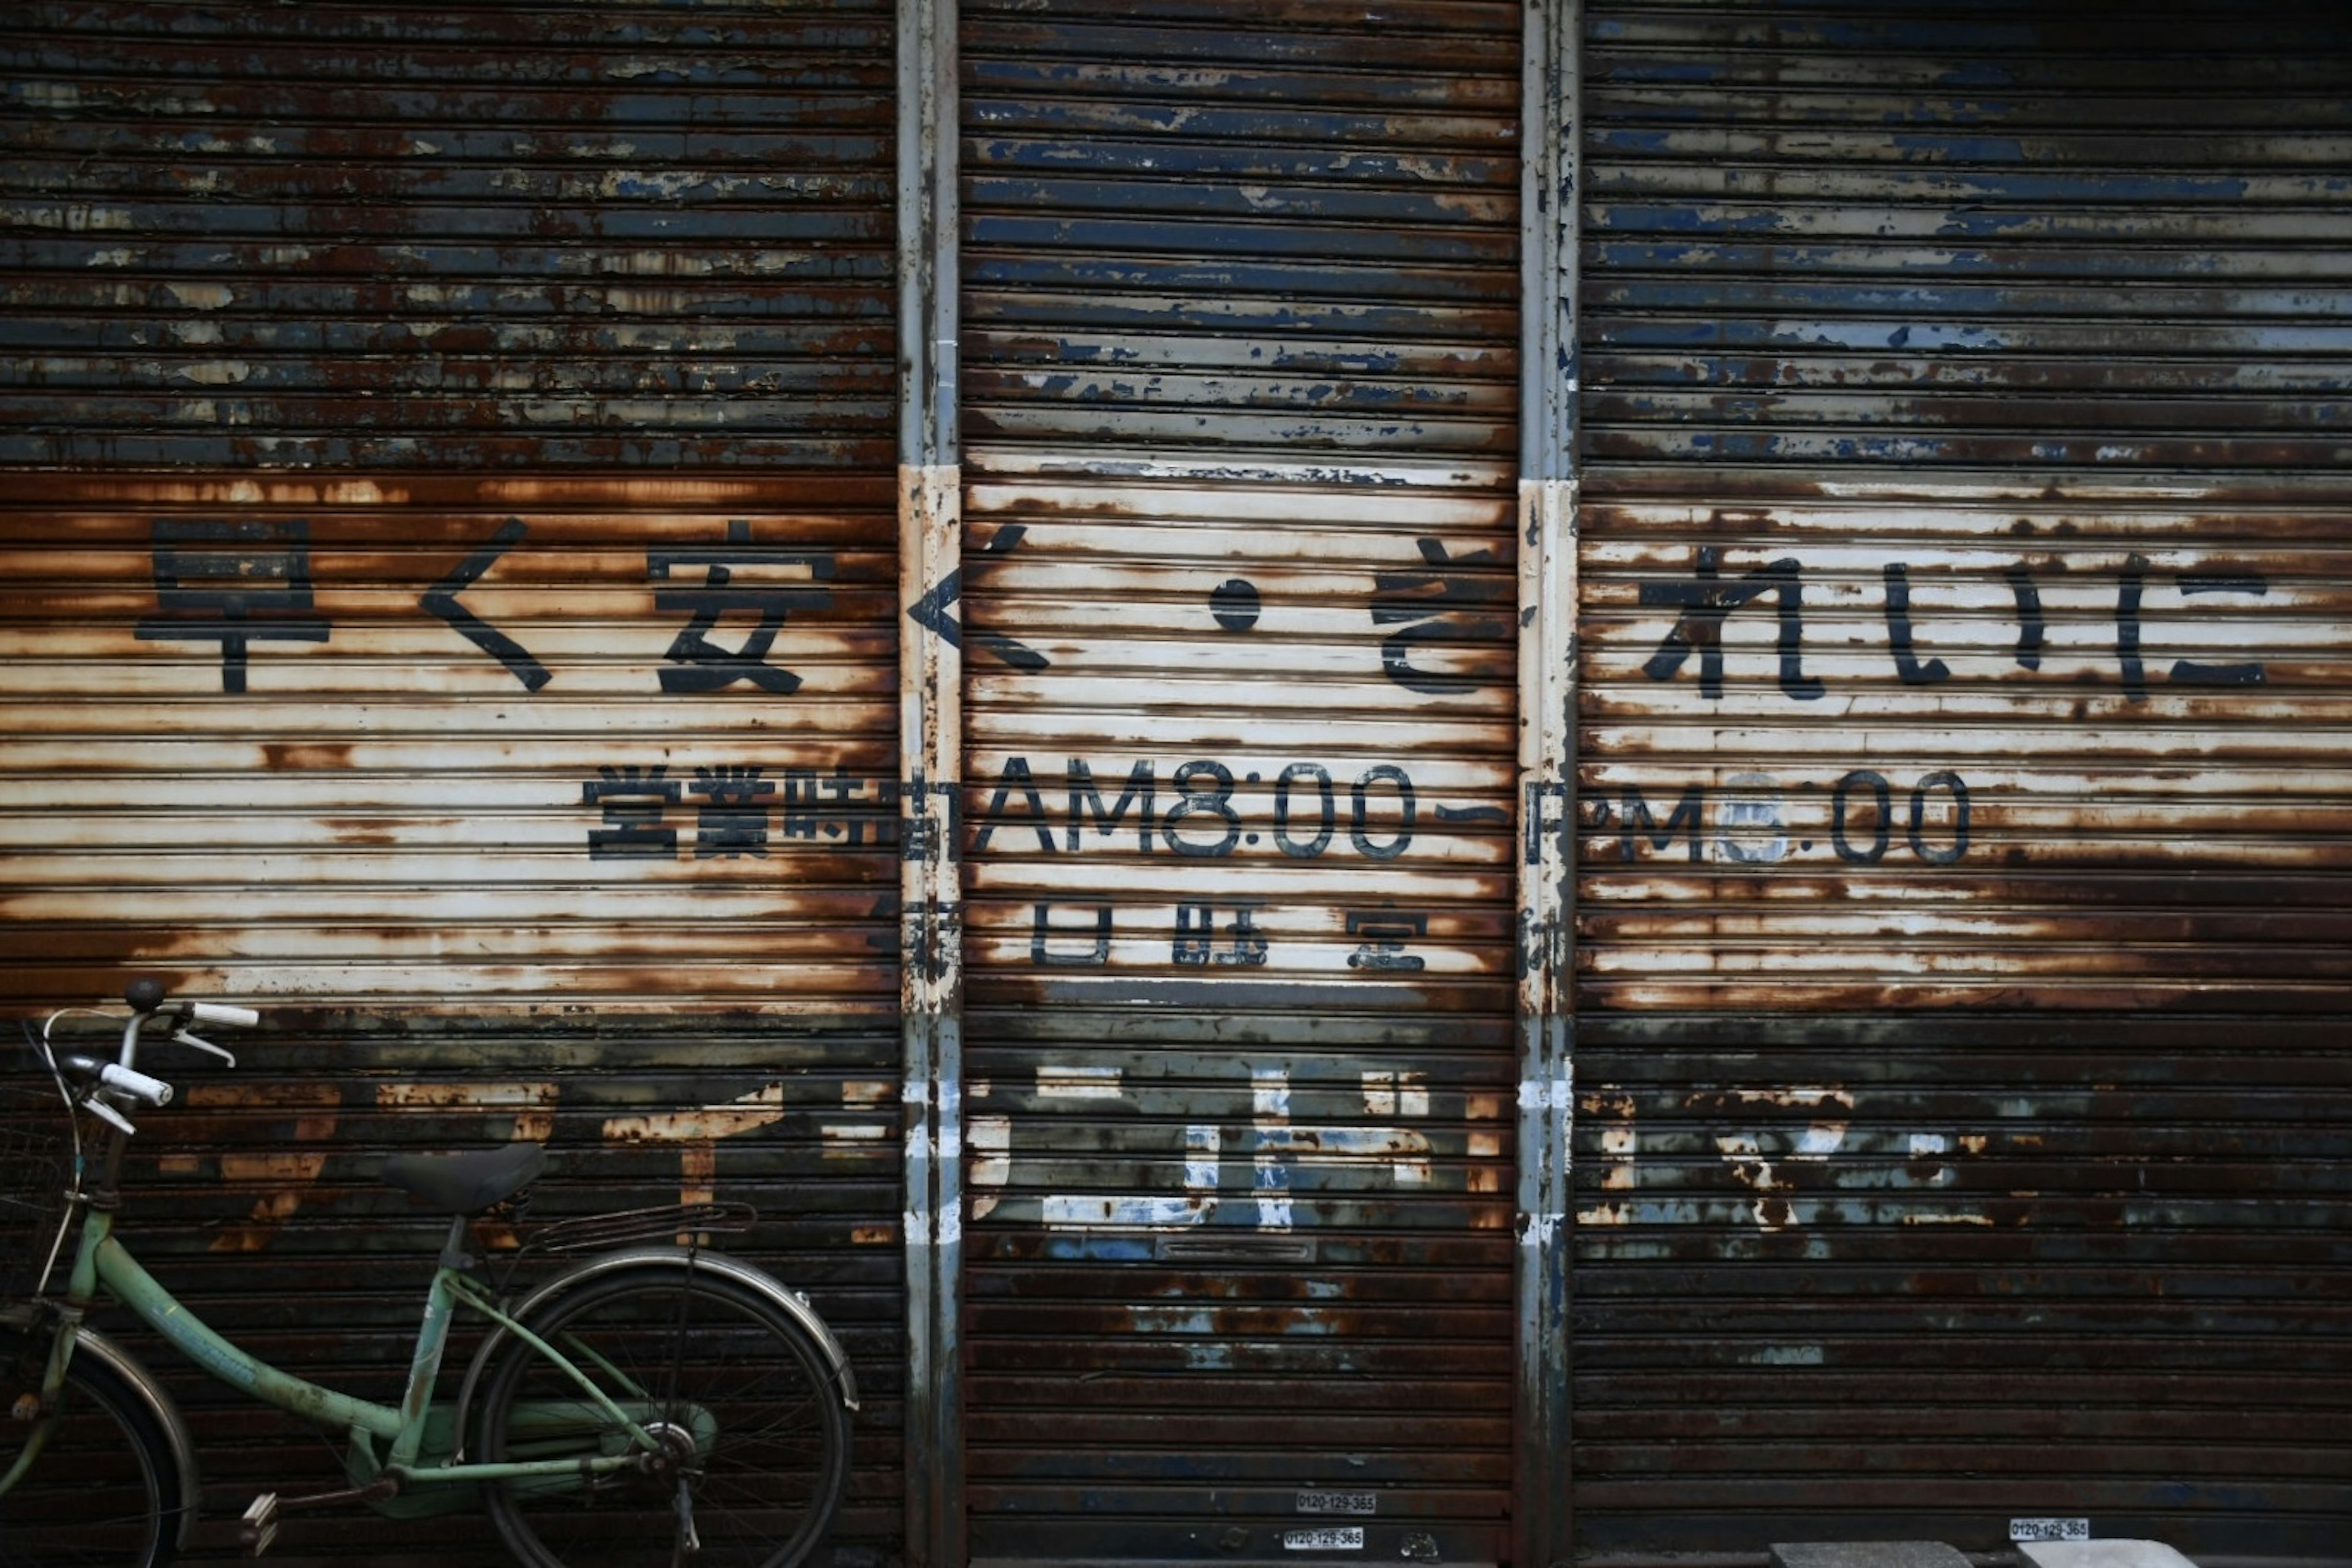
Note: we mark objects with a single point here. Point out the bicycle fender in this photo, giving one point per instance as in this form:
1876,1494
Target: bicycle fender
134,1376
664,1260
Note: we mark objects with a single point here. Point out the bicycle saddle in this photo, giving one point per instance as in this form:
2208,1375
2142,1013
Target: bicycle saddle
468,1182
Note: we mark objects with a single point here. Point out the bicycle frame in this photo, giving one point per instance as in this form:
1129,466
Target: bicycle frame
420,1446
413,1445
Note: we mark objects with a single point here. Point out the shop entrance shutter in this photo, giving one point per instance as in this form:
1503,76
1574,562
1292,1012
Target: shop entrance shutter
1964,901
450,603
1238,374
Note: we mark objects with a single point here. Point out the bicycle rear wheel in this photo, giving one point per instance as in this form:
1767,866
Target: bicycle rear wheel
105,1490
741,1397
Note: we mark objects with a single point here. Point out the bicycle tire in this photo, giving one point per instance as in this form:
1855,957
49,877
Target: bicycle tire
106,1491
744,1392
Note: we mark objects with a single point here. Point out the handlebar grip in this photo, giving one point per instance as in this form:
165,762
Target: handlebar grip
222,1013
137,1085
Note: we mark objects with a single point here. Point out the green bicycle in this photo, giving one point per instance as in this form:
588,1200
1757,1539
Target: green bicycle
648,1402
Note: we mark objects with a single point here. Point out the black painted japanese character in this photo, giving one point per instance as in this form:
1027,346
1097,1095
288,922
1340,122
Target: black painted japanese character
442,600
234,583
929,831
2240,672
818,807
2184,671
1705,600
2031,633
634,800
934,611
1196,936
1907,664
1441,604
735,822
706,666
1092,933
1383,934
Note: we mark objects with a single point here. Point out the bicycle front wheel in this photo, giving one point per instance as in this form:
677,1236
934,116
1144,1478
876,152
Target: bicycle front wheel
104,1491
740,1399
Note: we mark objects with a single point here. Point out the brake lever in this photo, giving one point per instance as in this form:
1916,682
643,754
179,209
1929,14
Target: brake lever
98,1108
182,1037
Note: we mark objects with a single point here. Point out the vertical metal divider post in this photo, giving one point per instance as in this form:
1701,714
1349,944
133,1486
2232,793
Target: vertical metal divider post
1544,1530
930,751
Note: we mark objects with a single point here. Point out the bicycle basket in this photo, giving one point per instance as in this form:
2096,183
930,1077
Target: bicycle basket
36,1152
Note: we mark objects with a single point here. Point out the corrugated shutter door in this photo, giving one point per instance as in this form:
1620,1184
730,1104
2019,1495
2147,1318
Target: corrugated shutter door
496,237
454,607
1964,903
1238,368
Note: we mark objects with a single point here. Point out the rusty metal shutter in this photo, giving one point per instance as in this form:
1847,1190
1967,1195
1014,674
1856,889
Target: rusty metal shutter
1964,905
451,602
448,236
1239,359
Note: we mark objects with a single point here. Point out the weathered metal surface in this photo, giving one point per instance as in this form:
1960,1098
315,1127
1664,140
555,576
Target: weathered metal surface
1239,359
468,237
930,724
524,741
1962,923
1959,929
1543,1481
256,1197
525,807
341,674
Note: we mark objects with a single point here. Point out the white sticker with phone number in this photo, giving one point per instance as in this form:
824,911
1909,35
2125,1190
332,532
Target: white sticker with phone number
2050,1530
1344,1538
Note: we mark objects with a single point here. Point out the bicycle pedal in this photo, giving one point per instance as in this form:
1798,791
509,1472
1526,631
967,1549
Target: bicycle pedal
258,1529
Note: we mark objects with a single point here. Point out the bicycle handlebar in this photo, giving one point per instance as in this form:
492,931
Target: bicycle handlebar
126,1081
147,1001
101,1086
145,995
